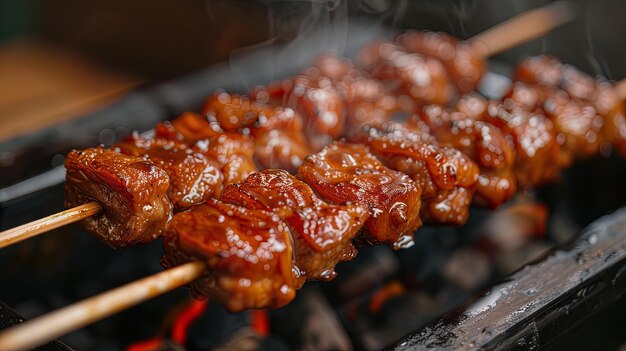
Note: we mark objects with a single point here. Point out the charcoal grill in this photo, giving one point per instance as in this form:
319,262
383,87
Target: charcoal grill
571,292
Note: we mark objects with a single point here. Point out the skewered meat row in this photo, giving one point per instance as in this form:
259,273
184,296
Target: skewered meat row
562,89
359,191
246,255
532,137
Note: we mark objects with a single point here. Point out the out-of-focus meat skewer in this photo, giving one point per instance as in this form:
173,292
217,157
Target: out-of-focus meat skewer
278,132
416,60
564,92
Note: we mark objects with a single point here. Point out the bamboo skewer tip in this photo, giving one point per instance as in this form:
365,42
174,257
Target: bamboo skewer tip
43,329
40,226
522,28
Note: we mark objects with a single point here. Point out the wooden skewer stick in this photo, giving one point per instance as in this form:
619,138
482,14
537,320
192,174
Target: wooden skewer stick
34,228
38,331
522,28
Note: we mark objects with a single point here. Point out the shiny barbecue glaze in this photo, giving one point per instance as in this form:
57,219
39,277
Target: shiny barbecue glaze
577,122
130,190
194,177
538,157
232,151
462,62
279,140
484,143
550,78
366,99
248,254
347,173
233,111
407,75
316,100
446,176
322,233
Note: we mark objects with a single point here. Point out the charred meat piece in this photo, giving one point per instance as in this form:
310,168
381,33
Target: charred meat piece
248,254
193,176
552,78
525,96
348,173
279,141
405,74
322,233
462,62
233,152
131,191
439,171
484,144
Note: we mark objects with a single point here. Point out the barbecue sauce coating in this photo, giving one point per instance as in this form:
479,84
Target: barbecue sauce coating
131,191
233,111
232,151
462,63
446,176
193,176
347,173
483,143
322,233
188,128
365,98
279,140
248,254
538,157
404,74
550,78
578,123
532,135
316,100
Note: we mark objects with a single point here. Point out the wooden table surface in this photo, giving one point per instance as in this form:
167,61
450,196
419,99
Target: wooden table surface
42,84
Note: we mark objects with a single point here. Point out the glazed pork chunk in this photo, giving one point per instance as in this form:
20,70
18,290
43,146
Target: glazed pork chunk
132,192
347,173
322,233
248,254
